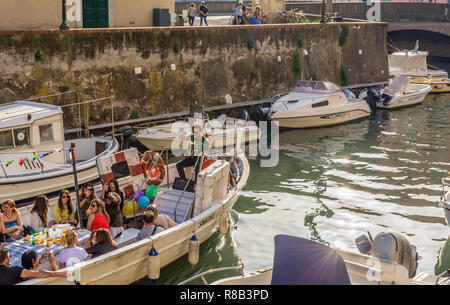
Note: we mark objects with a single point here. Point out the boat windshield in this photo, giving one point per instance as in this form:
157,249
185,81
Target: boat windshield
311,86
397,85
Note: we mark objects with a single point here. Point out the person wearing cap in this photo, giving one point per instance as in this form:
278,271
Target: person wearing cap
191,14
203,13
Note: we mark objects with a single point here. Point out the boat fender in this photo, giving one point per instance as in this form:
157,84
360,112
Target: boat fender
194,250
223,223
263,111
153,265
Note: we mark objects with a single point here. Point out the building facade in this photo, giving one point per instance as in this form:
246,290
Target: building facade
47,14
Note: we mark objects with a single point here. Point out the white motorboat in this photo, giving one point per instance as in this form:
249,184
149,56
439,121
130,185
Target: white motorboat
201,213
445,200
401,92
413,63
222,132
317,104
388,259
34,155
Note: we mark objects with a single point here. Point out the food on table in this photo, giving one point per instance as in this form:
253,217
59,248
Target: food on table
27,238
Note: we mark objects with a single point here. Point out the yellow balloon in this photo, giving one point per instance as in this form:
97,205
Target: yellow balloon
128,208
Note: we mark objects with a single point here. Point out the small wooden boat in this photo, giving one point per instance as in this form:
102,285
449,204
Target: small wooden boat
34,156
222,132
200,213
388,259
401,92
317,104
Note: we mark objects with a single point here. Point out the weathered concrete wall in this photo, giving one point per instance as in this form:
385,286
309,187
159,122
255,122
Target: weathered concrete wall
210,63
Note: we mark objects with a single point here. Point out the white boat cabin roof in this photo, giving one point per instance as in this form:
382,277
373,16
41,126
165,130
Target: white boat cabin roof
21,113
408,60
315,87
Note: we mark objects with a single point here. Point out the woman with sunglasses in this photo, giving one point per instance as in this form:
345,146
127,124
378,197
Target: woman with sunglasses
113,208
86,197
98,217
112,186
63,211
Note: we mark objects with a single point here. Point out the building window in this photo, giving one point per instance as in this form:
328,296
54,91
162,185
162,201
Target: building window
46,133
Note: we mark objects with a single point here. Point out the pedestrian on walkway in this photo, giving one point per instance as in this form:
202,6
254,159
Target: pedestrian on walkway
191,14
203,13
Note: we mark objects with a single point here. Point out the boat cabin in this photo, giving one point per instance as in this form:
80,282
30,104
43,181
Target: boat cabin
31,128
408,62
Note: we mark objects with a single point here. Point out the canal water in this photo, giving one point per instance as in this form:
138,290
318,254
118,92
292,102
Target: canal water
333,184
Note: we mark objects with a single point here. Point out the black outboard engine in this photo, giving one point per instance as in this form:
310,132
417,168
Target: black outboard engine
243,115
124,136
385,99
391,246
372,98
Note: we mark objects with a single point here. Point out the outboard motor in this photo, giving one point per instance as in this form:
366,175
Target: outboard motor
124,137
372,99
391,246
243,115
385,99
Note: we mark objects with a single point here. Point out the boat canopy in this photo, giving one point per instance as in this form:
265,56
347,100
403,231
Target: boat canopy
413,61
299,261
319,87
24,113
398,84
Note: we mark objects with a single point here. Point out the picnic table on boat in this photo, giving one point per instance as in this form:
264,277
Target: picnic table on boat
18,247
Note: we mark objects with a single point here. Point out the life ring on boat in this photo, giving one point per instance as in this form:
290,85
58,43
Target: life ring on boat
153,167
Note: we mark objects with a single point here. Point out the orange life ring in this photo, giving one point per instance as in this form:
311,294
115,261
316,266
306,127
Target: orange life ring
153,168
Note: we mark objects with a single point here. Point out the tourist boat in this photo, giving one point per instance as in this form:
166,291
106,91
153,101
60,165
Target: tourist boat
445,200
387,259
401,92
222,132
200,213
317,104
413,63
35,158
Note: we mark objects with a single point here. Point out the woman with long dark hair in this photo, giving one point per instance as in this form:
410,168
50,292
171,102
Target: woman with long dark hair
112,186
63,211
115,215
39,213
86,196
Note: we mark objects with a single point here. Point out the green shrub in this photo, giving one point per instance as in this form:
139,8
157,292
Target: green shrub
297,63
344,76
300,42
250,44
344,34
176,48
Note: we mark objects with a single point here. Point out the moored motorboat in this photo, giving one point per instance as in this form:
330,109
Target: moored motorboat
35,157
200,213
222,132
401,92
317,104
388,259
413,63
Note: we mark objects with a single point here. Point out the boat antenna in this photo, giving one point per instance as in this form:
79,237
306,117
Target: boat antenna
416,48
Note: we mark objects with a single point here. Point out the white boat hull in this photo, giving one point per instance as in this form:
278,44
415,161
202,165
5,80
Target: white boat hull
130,264
322,120
445,205
407,99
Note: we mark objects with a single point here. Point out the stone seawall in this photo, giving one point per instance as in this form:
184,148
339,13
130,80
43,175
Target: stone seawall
187,65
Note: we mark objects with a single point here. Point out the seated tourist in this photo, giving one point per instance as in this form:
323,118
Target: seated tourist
98,217
63,211
11,222
39,214
103,243
115,214
161,220
72,254
10,275
149,228
112,186
86,196
31,261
